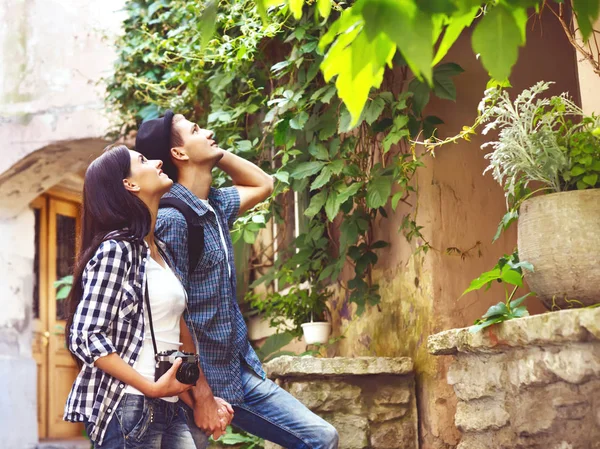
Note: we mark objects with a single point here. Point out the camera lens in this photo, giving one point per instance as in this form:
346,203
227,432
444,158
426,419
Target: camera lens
188,373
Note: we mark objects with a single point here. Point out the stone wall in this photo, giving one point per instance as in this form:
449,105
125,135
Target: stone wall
528,383
369,400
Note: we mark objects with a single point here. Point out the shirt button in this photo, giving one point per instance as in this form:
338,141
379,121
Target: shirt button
121,386
131,362
109,410
144,259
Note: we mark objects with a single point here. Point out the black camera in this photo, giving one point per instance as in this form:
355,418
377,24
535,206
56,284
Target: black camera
188,372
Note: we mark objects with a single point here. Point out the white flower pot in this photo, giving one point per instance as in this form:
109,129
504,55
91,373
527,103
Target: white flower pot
316,332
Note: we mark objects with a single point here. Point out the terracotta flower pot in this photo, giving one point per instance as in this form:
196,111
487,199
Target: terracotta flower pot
560,235
316,332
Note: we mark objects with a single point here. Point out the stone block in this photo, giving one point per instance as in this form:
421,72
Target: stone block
475,377
288,366
480,415
392,394
565,326
324,396
394,435
527,368
382,413
532,413
574,363
352,429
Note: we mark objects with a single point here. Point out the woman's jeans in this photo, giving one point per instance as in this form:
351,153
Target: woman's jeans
141,422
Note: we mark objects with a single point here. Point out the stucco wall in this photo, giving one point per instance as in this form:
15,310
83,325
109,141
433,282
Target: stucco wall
53,54
458,207
52,121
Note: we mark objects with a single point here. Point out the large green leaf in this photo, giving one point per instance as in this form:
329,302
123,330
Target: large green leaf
378,191
498,309
497,38
406,25
348,191
374,109
306,169
208,22
511,276
316,204
296,8
322,179
484,280
587,13
324,7
456,24
355,80
443,85
332,205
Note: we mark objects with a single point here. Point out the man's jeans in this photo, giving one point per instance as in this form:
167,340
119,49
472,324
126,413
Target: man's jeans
272,413
144,423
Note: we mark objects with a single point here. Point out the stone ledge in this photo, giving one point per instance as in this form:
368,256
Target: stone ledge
553,328
288,366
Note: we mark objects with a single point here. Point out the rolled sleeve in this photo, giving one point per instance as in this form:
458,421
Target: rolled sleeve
98,308
228,200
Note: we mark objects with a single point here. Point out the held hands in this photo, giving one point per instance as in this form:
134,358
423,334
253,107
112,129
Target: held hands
213,416
167,385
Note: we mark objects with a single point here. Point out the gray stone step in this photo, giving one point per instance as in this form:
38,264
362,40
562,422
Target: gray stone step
76,443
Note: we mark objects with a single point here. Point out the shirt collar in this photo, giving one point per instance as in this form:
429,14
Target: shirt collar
183,193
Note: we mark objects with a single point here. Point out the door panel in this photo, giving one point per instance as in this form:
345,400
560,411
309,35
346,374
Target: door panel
63,224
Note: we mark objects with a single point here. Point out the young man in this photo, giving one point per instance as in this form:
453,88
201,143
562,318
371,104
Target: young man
231,368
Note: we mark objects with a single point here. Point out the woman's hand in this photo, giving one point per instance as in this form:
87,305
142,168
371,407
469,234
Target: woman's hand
167,385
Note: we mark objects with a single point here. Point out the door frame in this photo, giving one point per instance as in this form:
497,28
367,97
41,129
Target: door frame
40,324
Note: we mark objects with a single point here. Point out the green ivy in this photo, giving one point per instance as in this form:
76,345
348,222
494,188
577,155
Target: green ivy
369,33
257,84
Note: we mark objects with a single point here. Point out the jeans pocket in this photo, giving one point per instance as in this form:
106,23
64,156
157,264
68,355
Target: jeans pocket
135,415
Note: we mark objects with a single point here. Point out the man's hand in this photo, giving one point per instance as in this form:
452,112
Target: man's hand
213,416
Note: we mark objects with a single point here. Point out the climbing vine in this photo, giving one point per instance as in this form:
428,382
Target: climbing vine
257,84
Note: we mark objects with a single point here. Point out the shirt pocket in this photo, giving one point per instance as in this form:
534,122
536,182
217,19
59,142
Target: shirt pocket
130,300
209,259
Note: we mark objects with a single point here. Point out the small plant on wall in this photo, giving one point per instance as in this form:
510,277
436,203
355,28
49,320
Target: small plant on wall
509,273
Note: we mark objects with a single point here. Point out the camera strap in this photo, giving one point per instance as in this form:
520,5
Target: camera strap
147,299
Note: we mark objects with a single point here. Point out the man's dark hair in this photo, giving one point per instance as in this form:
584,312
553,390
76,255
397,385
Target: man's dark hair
156,137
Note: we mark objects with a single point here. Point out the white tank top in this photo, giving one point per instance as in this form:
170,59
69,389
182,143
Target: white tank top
167,300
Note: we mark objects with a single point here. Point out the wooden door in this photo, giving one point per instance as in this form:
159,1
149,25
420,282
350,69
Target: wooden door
57,221
63,224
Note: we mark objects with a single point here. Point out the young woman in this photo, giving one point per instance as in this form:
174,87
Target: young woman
108,331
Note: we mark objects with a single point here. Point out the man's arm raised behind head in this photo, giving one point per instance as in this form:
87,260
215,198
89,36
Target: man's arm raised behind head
252,183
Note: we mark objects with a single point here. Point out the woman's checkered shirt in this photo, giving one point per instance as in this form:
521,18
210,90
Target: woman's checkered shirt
109,319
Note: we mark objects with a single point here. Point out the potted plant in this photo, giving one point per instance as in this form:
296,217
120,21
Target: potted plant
299,304
548,145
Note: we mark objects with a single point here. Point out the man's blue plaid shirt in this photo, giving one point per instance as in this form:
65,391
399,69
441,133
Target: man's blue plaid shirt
213,311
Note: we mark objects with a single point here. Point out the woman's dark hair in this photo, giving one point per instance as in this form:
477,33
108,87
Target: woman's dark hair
107,208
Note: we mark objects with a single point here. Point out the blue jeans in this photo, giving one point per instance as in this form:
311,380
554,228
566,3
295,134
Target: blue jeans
141,422
272,413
